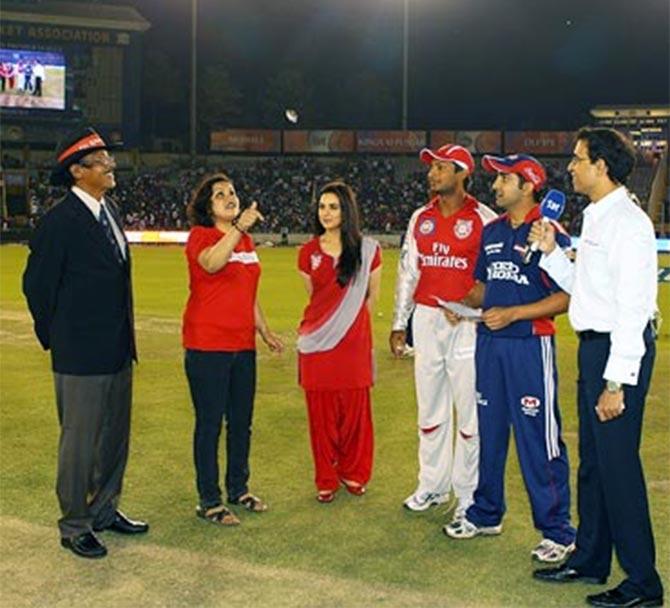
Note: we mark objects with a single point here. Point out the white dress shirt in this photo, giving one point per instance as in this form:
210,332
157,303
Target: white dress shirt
613,282
94,207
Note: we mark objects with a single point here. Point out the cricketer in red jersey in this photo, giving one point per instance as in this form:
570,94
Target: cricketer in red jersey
437,264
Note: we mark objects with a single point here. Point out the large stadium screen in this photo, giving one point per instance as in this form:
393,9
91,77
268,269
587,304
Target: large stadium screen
32,79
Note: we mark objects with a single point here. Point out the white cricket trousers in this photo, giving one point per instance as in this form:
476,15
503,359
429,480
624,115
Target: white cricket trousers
444,373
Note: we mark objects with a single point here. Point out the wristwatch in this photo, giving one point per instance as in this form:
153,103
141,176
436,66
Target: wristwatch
612,387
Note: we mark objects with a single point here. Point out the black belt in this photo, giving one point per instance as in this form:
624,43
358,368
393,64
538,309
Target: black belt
589,334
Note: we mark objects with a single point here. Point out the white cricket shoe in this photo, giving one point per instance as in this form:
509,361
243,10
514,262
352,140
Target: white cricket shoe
551,552
463,528
422,501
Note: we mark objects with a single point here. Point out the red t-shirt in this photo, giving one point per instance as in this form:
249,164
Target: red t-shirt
349,364
219,314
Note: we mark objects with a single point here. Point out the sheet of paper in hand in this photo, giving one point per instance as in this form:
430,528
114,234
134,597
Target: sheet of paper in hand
460,309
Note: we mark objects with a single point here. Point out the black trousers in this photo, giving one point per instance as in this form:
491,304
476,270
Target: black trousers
94,416
223,385
611,492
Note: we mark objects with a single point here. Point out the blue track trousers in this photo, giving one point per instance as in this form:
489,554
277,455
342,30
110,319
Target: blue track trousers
517,386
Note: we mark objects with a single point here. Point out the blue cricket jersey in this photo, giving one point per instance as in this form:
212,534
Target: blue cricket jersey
510,282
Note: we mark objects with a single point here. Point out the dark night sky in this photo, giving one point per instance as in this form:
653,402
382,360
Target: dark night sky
473,63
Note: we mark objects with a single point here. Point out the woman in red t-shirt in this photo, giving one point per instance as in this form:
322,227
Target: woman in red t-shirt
221,319
342,274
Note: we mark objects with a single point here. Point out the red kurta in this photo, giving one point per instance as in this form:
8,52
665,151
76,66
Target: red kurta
349,364
219,314
337,382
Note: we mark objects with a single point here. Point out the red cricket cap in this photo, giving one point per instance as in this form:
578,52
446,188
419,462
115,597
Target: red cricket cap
449,152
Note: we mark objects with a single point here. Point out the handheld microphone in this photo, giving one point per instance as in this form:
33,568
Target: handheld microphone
551,208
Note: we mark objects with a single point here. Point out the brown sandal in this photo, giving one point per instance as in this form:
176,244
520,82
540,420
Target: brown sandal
218,515
250,503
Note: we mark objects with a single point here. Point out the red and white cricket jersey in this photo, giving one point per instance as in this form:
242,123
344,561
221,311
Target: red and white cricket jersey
439,255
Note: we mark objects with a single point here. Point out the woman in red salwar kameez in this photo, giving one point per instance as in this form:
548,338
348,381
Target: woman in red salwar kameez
342,274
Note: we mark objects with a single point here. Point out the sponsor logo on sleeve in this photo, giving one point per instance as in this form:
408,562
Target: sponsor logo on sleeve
480,400
244,257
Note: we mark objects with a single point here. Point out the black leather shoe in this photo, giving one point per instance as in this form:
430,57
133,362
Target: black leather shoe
123,525
565,574
615,598
85,545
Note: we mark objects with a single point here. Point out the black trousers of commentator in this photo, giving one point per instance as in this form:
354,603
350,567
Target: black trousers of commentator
223,385
611,492
94,416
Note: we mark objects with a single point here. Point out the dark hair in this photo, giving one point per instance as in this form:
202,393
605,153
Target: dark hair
350,258
615,149
199,208
457,169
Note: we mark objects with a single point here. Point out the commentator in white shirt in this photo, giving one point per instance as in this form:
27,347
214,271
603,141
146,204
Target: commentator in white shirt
613,287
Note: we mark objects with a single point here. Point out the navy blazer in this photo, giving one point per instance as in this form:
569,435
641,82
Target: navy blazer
78,293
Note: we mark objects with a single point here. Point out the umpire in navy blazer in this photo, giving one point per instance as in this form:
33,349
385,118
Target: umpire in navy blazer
78,287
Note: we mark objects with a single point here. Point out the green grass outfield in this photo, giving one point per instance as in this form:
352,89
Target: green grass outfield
355,552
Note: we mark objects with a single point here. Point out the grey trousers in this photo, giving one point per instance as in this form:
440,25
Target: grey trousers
94,416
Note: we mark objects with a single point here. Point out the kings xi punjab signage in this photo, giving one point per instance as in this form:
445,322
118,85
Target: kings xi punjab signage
390,142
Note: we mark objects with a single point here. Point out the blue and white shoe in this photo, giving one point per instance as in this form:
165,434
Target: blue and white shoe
422,501
463,528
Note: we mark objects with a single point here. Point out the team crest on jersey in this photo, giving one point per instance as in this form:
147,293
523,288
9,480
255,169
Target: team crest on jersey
427,227
463,228
316,260
530,405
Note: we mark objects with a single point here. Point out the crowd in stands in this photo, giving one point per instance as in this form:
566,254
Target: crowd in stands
285,188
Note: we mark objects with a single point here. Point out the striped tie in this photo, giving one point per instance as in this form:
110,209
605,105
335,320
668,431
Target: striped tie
109,233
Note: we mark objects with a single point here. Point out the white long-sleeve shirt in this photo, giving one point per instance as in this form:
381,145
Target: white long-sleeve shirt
613,282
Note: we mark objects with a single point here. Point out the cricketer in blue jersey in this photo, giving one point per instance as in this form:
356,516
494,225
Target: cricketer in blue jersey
516,369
